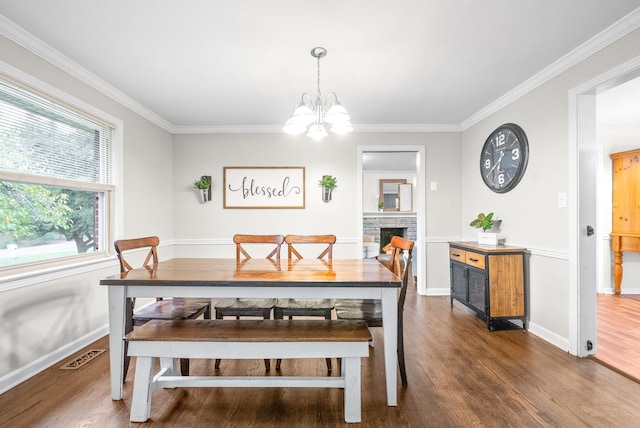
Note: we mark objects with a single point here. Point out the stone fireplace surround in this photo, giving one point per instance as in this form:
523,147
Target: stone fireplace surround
373,223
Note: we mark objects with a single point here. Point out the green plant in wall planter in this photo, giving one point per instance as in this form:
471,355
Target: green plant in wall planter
328,183
204,185
485,222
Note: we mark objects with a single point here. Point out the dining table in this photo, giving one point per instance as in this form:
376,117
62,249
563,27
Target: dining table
254,278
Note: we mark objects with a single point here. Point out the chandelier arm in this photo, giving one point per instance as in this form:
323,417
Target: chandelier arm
326,101
308,101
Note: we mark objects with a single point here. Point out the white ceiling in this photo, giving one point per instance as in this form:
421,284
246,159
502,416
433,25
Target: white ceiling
243,64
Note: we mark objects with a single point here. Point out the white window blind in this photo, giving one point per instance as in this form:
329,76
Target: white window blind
56,181
43,138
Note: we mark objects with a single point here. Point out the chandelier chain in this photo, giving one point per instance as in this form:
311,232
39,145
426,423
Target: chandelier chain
318,95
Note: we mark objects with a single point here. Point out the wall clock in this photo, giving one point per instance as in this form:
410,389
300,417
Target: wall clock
504,158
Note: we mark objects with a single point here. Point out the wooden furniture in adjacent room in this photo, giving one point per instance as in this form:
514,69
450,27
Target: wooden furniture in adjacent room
162,309
489,279
625,221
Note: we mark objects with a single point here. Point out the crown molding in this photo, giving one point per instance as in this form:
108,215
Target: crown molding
28,41
601,40
225,129
277,129
409,127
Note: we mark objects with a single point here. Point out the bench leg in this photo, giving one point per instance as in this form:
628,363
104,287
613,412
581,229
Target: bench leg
171,366
142,388
352,389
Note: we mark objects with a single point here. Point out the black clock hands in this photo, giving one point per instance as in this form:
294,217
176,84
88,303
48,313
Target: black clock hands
496,165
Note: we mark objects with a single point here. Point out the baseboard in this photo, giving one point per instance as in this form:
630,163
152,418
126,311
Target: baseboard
549,336
18,376
623,290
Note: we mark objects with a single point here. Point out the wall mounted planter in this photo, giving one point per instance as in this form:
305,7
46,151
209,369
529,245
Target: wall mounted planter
204,188
326,194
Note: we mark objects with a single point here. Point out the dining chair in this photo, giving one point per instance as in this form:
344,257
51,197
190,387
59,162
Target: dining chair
371,310
161,309
241,307
306,307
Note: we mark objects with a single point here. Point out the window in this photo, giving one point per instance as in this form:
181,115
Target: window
55,179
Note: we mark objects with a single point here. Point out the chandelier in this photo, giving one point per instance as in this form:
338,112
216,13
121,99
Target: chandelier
310,116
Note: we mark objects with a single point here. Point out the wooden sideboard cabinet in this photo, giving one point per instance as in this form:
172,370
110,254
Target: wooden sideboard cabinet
625,221
489,279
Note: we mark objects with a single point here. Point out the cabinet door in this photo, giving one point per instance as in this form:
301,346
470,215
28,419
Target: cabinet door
458,282
506,285
477,281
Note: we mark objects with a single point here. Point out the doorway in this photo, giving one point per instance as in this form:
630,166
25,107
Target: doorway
415,163
586,265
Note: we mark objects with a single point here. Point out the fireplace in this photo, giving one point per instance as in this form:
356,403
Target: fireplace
387,232
399,224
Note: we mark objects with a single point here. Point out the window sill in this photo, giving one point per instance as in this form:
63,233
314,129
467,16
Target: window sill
24,276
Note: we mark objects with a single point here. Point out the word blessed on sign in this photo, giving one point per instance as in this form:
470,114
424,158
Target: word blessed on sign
264,187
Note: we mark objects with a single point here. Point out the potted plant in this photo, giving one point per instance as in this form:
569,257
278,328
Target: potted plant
381,206
204,185
328,183
485,222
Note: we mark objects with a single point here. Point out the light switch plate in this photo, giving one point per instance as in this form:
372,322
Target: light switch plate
562,200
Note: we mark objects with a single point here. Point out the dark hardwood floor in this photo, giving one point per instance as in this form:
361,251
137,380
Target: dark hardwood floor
619,333
460,375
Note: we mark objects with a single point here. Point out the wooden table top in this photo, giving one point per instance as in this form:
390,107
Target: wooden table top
295,273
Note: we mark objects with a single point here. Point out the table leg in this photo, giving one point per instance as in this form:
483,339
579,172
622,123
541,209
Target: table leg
117,301
617,270
390,329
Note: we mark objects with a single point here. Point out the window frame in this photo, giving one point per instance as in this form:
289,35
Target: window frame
112,217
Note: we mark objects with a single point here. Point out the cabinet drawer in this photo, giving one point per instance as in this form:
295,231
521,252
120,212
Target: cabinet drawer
474,259
457,254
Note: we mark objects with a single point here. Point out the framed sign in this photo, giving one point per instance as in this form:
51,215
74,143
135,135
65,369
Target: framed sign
263,187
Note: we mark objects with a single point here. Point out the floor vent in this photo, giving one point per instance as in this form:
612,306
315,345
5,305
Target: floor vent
81,360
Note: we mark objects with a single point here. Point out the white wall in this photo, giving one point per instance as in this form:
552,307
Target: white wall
530,214
47,317
207,229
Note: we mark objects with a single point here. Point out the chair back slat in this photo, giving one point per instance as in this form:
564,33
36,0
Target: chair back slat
400,245
240,239
310,239
122,245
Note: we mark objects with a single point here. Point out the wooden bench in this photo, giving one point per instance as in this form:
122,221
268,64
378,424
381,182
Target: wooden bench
170,340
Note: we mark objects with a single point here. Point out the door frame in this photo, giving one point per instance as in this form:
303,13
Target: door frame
420,190
582,299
